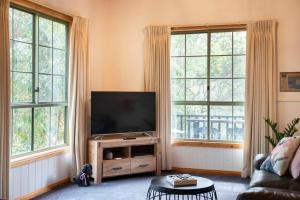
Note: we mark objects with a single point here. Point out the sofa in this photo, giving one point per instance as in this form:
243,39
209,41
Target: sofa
268,186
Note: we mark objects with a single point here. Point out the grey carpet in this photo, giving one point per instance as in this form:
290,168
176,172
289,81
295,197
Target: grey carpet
135,188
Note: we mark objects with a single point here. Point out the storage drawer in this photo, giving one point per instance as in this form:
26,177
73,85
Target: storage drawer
116,167
143,164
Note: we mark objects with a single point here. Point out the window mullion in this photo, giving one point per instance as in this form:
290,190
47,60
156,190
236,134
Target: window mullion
32,128
232,87
34,77
185,123
208,84
36,60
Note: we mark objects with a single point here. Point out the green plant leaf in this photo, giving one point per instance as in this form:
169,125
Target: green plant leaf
288,131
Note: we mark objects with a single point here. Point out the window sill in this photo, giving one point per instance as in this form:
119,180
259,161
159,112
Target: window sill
193,143
24,160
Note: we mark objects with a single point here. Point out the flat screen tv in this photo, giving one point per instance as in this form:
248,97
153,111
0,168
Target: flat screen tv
122,112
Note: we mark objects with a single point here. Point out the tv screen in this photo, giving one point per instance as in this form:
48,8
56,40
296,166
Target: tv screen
122,112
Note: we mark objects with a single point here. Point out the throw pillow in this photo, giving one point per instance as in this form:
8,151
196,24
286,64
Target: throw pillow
278,161
295,165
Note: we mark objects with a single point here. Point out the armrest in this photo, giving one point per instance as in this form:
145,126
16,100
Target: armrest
268,193
259,159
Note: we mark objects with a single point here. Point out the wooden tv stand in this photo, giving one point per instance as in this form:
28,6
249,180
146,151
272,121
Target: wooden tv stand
130,156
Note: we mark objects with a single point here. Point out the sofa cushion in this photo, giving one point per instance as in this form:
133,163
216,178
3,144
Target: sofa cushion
261,178
257,193
279,160
295,165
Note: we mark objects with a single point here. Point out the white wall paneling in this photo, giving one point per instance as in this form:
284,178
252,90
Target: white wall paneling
208,158
39,174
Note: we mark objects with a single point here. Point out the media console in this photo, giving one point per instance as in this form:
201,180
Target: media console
138,154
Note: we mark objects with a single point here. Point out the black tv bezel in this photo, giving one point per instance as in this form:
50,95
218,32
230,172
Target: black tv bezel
122,133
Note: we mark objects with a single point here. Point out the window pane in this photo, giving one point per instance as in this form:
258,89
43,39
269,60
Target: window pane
196,67
59,35
21,130
238,123
221,122
23,26
45,85
221,90
221,43
177,90
221,67
178,121
239,42
57,126
177,45
10,22
41,128
36,127
177,67
189,85
238,90
45,60
10,55
196,44
21,87
22,57
59,62
196,89
45,32
59,88
239,66
196,122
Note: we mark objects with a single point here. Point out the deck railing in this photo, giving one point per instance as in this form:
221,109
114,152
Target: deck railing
221,127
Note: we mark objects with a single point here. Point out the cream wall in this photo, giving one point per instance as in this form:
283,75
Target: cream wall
94,11
122,67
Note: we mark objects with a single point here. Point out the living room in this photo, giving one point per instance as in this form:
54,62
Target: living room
219,69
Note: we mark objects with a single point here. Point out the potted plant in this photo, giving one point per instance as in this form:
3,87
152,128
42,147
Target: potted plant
288,131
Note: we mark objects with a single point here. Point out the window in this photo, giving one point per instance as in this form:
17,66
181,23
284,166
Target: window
207,85
38,49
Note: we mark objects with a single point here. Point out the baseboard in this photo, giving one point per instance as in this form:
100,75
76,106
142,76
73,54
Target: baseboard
205,171
44,190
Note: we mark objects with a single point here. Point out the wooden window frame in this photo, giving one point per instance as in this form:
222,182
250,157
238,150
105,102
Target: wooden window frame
198,29
35,7
204,143
37,156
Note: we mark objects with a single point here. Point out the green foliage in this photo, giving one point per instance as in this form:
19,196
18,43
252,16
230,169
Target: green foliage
37,126
288,131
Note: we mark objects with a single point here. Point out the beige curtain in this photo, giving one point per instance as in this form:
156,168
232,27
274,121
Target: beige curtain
4,98
78,92
157,79
261,87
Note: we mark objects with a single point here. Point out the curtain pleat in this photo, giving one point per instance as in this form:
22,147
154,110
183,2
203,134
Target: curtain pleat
157,79
4,99
261,89
78,92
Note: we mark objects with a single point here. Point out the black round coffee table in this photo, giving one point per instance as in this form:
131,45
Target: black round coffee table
161,189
